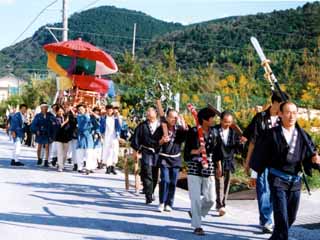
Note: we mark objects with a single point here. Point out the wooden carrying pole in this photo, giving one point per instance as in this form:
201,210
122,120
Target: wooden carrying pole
135,171
126,169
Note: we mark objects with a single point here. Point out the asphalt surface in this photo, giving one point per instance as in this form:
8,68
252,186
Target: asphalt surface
38,203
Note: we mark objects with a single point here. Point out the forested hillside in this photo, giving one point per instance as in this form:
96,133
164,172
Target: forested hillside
290,38
108,27
200,61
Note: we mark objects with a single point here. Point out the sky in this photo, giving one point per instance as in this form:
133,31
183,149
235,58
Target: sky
16,15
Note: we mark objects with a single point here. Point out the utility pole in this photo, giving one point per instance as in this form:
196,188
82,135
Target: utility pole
134,40
64,28
64,20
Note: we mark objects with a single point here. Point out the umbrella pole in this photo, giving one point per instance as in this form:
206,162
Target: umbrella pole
56,97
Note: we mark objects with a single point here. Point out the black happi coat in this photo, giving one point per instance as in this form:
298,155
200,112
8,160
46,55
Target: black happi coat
72,132
260,123
142,137
177,137
232,147
213,149
272,152
63,132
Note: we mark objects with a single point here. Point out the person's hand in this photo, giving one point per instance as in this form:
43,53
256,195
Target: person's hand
201,149
13,134
243,139
247,168
122,141
219,171
164,139
316,159
198,151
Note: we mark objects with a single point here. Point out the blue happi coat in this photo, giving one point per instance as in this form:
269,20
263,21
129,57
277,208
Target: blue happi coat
95,124
44,126
96,134
117,125
85,139
17,126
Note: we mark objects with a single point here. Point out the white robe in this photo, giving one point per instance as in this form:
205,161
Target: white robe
110,149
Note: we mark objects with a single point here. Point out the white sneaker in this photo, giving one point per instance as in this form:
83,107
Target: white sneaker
60,170
168,208
161,207
267,228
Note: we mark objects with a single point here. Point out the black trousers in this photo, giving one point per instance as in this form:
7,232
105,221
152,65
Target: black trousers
285,208
29,135
222,189
149,173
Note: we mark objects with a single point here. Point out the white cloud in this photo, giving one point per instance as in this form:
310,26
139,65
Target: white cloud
7,2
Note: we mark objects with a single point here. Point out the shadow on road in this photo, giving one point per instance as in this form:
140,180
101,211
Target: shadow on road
119,205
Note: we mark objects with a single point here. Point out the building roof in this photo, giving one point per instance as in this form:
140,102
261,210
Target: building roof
10,81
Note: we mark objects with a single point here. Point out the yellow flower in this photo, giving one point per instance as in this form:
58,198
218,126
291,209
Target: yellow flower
227,99
184,98
195,98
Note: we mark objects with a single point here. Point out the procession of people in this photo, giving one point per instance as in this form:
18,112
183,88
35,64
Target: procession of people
89,138
79,135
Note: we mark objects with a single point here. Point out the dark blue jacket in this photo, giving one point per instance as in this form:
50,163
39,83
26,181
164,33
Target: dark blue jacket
17,125
232,147
44,128
272,149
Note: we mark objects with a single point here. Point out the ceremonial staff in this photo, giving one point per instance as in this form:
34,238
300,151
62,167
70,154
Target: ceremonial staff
204,160
269,75
271,78
274,82
161,111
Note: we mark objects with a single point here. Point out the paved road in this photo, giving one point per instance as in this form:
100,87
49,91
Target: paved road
43,204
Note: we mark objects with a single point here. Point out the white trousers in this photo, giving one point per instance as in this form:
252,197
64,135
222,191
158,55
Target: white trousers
53,153
73,145
69,152
62,149
200,207
110,152
86,155
10,135
16,149
98,154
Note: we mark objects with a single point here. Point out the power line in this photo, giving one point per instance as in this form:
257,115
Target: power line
33,21
207,23
111,35
266,31
27,43
89,5
223,46
187,45
174,41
